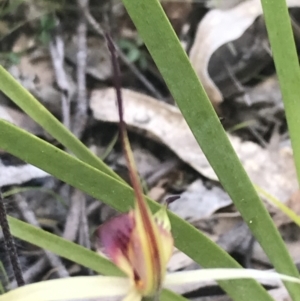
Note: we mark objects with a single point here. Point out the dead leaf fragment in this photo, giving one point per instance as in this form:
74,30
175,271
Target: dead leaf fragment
199,202
272,170
36,74
230,47
98,58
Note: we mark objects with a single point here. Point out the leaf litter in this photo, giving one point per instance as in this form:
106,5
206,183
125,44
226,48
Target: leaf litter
272,170
158,127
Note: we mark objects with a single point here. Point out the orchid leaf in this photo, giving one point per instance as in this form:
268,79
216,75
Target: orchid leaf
287,66
31,106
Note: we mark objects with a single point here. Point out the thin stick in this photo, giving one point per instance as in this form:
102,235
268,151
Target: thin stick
81,117
122,126
57,52
10,244
73,219
77,211
82,107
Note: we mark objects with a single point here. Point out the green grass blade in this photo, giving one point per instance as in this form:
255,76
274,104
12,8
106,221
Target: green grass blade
167,295
173,63
17,190
4,276
282,207
31,106
2,270
287,67
120,196
72,251
110,146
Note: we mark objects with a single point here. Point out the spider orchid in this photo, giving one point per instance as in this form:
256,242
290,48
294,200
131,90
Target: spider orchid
140,244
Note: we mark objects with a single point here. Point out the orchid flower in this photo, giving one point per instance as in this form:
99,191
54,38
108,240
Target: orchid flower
103,287
139,243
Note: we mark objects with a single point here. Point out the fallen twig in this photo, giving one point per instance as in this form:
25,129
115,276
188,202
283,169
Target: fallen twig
84,238
57,52
73,218
80,118
77,219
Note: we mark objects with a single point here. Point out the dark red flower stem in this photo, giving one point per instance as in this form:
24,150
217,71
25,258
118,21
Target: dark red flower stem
122,125
10,244
141,205
117,83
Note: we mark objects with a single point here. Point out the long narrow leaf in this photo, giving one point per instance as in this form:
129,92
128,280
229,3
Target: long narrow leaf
287,66
173,63
282,207
3,277
120,196
17,190
30,105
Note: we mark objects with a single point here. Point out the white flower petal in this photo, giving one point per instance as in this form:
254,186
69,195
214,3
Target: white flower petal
133,295
73,288
188,277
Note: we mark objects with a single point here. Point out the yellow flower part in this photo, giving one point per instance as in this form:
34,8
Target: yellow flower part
140,244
